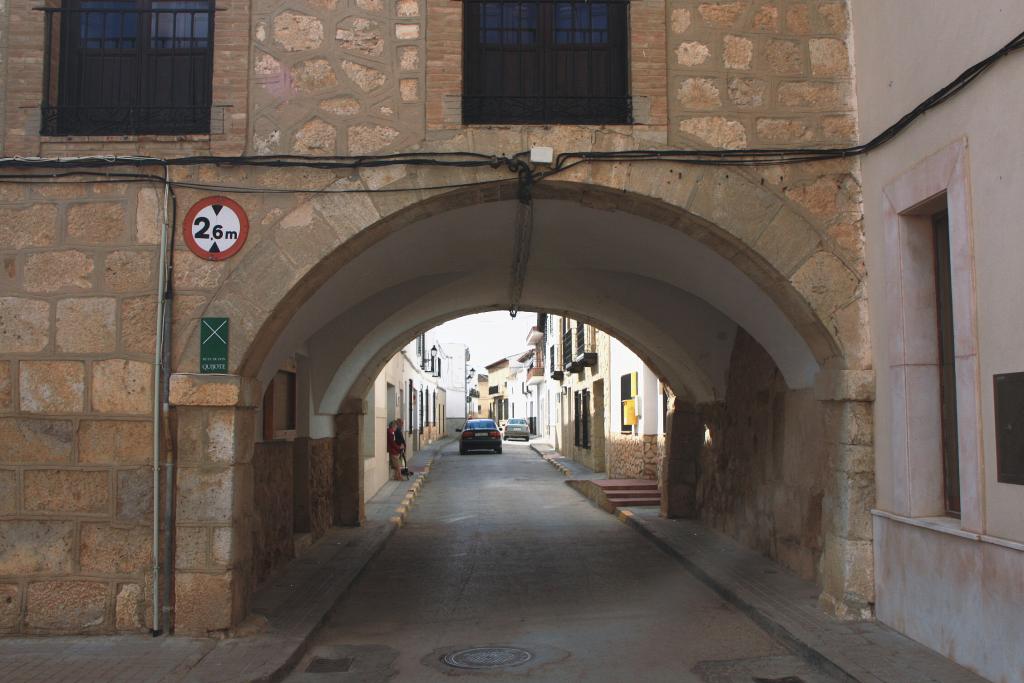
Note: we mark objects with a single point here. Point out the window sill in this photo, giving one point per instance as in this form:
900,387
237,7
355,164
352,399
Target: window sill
949,526
191,137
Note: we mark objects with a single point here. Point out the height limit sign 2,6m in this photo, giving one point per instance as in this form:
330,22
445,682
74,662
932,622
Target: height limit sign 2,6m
215,228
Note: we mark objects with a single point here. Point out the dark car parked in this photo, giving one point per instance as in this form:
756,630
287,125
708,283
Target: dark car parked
478,435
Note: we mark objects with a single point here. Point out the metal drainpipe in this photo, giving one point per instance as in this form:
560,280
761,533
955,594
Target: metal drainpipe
157,403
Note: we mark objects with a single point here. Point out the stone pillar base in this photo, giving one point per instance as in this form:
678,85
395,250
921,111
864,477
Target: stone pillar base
216,430
349,503
683,441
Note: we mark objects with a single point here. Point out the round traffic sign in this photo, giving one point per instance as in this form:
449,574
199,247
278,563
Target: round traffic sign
215,228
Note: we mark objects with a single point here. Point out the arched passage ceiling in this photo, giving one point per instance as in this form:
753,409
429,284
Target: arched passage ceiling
673,300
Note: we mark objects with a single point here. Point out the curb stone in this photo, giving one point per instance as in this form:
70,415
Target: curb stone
402,511
551,461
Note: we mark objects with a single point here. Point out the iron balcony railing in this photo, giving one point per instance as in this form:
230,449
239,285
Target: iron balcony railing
493,390
586,354
114,70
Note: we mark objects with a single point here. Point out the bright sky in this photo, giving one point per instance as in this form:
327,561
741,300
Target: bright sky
490,336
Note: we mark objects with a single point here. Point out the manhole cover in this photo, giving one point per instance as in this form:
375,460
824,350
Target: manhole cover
322,665
487,657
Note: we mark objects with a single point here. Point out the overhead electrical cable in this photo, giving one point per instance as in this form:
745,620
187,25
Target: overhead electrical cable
563,162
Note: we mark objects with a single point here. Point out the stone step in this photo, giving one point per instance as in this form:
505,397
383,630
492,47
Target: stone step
636,502
631,493
631,484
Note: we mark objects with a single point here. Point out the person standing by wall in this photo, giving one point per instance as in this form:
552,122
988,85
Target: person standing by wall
395,451
400,436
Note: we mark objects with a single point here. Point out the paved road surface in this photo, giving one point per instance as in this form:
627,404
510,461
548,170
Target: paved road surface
499,551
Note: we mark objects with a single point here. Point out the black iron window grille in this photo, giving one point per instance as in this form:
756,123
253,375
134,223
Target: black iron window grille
581,418
567,348
116,67
546,61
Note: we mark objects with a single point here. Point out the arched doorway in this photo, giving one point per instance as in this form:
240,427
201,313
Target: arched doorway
731,295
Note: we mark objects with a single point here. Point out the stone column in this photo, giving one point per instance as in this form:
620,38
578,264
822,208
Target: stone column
349,506
683,441
302,505
216,430
848,582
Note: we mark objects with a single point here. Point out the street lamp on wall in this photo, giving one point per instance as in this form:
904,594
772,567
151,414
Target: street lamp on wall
470,375
435,365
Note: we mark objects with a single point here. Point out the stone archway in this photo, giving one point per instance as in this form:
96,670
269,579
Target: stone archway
782,235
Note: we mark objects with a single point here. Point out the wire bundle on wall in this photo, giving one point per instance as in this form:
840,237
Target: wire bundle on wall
513,164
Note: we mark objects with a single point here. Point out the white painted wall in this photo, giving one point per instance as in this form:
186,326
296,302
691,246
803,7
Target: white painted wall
624,361
958,591
454,380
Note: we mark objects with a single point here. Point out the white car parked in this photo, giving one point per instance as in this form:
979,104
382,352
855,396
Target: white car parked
517,428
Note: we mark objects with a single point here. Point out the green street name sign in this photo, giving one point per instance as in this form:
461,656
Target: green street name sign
213,345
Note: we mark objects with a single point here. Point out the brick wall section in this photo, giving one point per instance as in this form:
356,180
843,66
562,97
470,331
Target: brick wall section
24,82
444,59
232,46
647,63
4,8
77,315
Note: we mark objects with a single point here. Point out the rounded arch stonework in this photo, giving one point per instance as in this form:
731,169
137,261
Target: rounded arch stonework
794,230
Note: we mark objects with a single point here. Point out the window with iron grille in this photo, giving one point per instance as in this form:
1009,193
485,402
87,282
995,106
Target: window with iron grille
581,418
546,61
128,67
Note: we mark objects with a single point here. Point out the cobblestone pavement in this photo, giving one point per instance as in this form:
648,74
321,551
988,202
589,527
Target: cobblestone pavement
500,552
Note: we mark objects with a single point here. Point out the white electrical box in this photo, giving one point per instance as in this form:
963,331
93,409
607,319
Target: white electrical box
542,155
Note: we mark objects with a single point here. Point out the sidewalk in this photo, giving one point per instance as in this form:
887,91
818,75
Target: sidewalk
569,468
293,606
781,603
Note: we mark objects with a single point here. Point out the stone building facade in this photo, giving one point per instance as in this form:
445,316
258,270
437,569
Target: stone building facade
701,269
324,78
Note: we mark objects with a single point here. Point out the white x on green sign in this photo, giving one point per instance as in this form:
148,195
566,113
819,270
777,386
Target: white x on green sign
213,345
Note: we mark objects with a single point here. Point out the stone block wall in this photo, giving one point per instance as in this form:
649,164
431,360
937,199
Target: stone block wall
273,499
634,456
78,278
321,494
759,73
763,477
335,77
